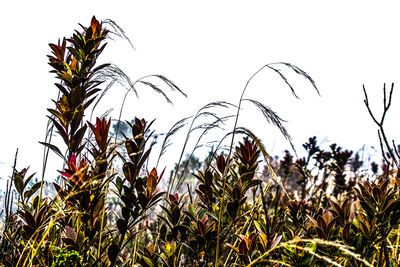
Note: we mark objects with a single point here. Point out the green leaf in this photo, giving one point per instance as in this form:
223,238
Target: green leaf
75,52
28,179
57,114
119,183
92,92
62,89
60,129
129,171
77,139
148,261
54,148
259,226
288,235
156,198
251,184
88,102
101,67
32,191
76,118
19,184
35,202
306,260
98,208
132,149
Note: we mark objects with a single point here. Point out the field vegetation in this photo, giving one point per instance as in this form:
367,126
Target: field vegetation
238,207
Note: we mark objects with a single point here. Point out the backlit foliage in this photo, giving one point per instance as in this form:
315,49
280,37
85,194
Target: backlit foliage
244,208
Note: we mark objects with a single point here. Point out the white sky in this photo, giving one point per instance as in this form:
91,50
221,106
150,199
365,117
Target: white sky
210,49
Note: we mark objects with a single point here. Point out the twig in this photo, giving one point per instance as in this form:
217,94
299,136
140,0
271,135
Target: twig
381,132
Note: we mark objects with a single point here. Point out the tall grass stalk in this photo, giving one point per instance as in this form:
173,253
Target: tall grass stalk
207,127
270,116
200,113
221,204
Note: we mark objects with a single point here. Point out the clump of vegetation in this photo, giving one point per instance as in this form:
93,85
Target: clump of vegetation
67,258
240,207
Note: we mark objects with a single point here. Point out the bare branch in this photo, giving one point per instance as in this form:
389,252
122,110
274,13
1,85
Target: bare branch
381,131
396,149
382,150
367,105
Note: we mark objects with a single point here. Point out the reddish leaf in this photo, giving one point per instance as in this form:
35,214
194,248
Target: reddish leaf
70,233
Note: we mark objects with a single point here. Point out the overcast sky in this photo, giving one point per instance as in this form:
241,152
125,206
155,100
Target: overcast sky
210,49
